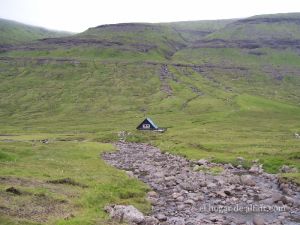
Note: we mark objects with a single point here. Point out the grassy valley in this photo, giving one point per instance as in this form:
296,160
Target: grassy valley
221,92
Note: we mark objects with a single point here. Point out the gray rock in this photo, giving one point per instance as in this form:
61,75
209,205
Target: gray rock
169,178
176,221
176,195
150,220
125,213
256,169
195,196
130,174
221,194
202,162
287,200
196,168
180,198
161,217
258,220
152,194
247,180
228,166
189,186
153,201
240,159
189,202
268,201
234,179
287,169
276,197
211,185
180,207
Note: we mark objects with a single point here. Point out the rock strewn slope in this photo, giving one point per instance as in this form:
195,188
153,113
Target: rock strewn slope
187,192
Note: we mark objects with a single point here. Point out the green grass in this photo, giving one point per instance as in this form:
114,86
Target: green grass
81,162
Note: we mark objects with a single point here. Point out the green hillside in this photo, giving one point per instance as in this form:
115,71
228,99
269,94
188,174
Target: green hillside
195,30
268,27
219,96
12,32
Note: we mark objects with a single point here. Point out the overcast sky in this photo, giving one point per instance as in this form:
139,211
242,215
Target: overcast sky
78,15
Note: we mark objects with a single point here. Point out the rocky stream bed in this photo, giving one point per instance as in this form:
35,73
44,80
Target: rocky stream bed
201,192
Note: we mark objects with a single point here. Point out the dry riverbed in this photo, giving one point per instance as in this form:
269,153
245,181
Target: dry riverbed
200,192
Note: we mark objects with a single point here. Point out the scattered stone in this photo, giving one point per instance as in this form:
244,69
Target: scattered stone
240,159
201,162
268,201
181,193
258,220
256,169
228,166
150,220
152,194
176,221
196,168
276,197
211,185
130,174
247,180
189,202
235,179
221,194
44,141
287,169
176,195
161,217
287,200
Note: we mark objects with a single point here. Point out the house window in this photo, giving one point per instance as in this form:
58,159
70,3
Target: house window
146,126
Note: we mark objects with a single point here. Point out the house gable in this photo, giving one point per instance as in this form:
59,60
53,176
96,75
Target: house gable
147,124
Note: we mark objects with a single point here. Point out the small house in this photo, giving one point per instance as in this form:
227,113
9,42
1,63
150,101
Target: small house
148,124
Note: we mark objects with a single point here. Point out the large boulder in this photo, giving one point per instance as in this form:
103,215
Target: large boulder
125,213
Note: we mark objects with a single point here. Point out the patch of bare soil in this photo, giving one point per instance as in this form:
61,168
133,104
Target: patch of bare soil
68,181
38,208
22,199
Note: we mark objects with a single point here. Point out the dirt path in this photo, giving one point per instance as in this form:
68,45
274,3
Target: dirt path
188,192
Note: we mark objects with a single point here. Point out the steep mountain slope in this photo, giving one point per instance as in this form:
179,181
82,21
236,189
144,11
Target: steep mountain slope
12,32
274,31
269,27
119,41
